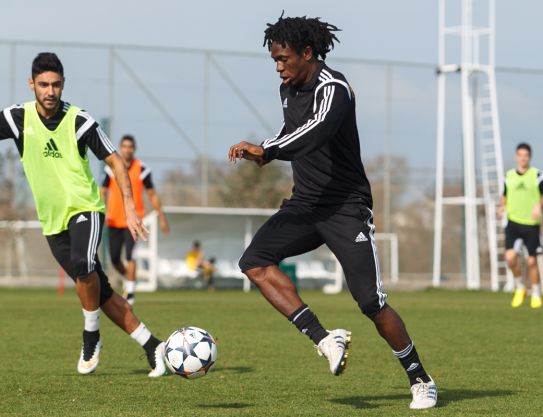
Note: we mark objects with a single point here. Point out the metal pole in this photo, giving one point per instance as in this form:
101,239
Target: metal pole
205,158
387,147
440,139
470,189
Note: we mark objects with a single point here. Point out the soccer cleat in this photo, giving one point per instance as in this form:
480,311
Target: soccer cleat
518,298
424,394
89,358
536,301
156,361
334,348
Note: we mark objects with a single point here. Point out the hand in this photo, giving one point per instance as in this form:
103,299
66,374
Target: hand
536,212
164,226
245,150
135,225
501,211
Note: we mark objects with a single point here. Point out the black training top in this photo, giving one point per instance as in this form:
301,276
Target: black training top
320,137
88,132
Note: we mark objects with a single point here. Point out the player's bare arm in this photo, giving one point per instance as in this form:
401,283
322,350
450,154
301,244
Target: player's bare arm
155,202
135,225
536,212
501,206
103,192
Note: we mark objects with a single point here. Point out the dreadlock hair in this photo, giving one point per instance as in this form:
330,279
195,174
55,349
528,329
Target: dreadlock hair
300,32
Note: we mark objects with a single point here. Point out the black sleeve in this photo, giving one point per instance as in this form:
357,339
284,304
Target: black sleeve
279,134
89,134
148,182
146,177
540,179
11,122
334,103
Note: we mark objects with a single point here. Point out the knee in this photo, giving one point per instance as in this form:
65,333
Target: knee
511,258
372,305
258,274
82,267
531,261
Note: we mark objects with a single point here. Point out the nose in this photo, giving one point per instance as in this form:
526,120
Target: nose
279,67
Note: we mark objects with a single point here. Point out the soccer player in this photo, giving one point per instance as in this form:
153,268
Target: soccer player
119,234
522,200
331,200
52,137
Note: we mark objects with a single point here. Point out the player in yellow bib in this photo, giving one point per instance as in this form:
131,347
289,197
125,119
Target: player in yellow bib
52,137
522,201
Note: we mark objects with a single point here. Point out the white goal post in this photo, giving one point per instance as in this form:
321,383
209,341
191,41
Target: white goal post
228,231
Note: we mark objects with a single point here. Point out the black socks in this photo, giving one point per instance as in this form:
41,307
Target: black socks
409,358
306,322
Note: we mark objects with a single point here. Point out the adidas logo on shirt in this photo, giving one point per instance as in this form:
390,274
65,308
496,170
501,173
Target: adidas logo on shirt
51,150
361,238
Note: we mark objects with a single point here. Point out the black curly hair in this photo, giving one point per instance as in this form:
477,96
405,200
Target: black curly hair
300,32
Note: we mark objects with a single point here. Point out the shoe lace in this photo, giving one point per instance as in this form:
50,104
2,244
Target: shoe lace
422,390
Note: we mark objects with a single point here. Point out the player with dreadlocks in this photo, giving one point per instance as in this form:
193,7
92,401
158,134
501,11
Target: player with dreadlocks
331,200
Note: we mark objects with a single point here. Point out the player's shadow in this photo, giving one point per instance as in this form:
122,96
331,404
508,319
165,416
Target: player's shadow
233,369
232,406
445,397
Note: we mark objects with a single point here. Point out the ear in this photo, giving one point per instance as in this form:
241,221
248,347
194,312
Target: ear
31,83
307,53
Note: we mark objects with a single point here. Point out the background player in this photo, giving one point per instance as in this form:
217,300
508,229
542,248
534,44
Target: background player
522,200
119,234
331,200
52,137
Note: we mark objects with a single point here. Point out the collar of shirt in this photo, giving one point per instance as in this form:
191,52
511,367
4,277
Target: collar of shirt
56,118
310,85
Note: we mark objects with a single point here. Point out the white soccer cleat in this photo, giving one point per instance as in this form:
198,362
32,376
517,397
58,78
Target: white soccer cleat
158,367
89,358
424,394
334,348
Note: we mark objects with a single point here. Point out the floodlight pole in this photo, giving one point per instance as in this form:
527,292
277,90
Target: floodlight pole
479,126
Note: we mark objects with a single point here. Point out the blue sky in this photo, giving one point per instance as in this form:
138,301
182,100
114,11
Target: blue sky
391,30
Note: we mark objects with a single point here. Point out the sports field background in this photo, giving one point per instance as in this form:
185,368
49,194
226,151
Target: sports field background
485,357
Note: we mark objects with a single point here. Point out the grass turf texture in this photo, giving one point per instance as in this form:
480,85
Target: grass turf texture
485,356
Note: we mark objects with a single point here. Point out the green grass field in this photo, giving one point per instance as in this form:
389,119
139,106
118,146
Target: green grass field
485,357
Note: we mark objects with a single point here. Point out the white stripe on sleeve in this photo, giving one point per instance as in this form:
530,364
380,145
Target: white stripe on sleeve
11,122
105,140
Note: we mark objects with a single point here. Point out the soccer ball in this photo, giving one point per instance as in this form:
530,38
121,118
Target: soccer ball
190,352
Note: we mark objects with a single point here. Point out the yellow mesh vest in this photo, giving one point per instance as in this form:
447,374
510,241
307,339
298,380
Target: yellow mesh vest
61,181
522,195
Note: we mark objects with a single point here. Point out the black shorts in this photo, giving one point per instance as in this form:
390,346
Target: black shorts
76,249
119,237
527,233
347,230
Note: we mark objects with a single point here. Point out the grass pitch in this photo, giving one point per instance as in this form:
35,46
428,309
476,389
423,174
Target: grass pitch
485,357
